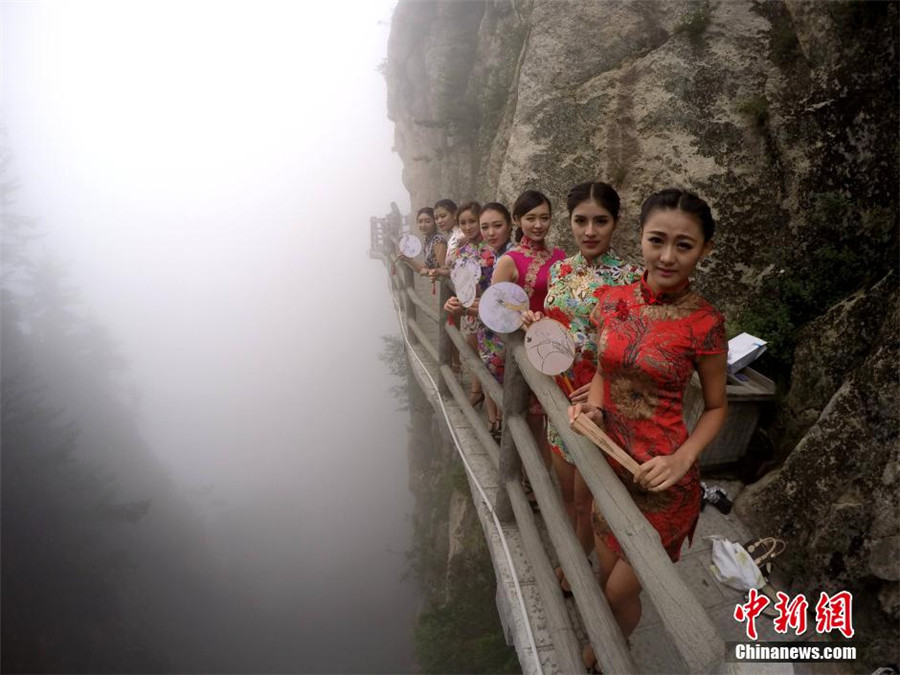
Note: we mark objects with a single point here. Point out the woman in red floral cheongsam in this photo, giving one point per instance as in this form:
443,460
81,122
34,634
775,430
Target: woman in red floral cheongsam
651,336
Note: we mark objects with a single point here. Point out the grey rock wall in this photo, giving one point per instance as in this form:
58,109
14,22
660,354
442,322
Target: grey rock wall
784,115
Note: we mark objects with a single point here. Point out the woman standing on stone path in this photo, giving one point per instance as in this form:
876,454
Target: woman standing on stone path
651,336
528,265
469,250
496,226
571,297
435,243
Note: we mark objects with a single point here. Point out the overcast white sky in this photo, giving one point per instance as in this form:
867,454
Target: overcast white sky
206,170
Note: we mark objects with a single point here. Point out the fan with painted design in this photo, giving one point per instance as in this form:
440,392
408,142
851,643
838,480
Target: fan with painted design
410,245
549,346
501,307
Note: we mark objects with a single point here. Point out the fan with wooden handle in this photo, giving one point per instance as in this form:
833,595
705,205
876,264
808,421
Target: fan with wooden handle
586,426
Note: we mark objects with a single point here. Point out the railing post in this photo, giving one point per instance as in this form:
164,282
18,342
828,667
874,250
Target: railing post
409,307
515,402
445,346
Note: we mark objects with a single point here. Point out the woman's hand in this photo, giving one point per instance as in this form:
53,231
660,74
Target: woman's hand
529,317
580,395
589,410
424,272
454,306
662,472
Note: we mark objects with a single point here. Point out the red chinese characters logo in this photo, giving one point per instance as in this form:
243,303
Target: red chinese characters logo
833,613
756,603
791,613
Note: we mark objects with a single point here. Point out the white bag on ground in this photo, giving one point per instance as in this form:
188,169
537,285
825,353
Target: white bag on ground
733,566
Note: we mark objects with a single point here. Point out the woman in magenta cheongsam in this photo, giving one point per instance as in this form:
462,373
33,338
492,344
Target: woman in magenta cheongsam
651,337
528,262
528,265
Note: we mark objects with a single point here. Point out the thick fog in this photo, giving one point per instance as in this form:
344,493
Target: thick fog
202,176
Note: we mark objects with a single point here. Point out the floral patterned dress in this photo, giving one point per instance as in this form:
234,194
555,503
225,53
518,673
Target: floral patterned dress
571,297
471,251
533,261
430,241
649,346
490,345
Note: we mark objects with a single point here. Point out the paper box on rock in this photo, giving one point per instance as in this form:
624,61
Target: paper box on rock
743,350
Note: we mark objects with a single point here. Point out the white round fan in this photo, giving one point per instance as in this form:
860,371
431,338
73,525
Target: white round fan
410,245
502,305
549,346
465,275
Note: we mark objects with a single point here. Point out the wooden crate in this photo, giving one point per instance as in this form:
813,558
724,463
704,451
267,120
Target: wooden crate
744,401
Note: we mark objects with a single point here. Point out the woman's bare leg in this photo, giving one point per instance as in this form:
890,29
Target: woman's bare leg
623,593
538,425
583,501
565,472
475,384
493,410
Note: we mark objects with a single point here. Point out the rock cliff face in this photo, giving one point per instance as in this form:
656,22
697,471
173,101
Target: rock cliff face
784,115
760,107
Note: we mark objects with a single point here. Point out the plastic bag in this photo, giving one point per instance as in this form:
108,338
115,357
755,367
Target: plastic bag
733,566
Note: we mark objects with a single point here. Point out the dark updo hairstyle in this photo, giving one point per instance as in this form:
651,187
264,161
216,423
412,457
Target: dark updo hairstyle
601,194
447,204
497,206
530,199
474,207
425,209
677,199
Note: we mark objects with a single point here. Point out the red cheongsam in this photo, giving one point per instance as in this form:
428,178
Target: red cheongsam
648,348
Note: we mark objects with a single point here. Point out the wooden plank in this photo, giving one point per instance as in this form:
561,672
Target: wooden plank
409,307
444,343
477,422
565,642
515,403
423,339
430,312
693,633
599,622
475,365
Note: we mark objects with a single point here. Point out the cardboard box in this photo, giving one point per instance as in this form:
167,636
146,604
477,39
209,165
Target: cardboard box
743,350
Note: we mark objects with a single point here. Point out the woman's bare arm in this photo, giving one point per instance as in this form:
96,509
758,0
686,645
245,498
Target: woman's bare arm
505,270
